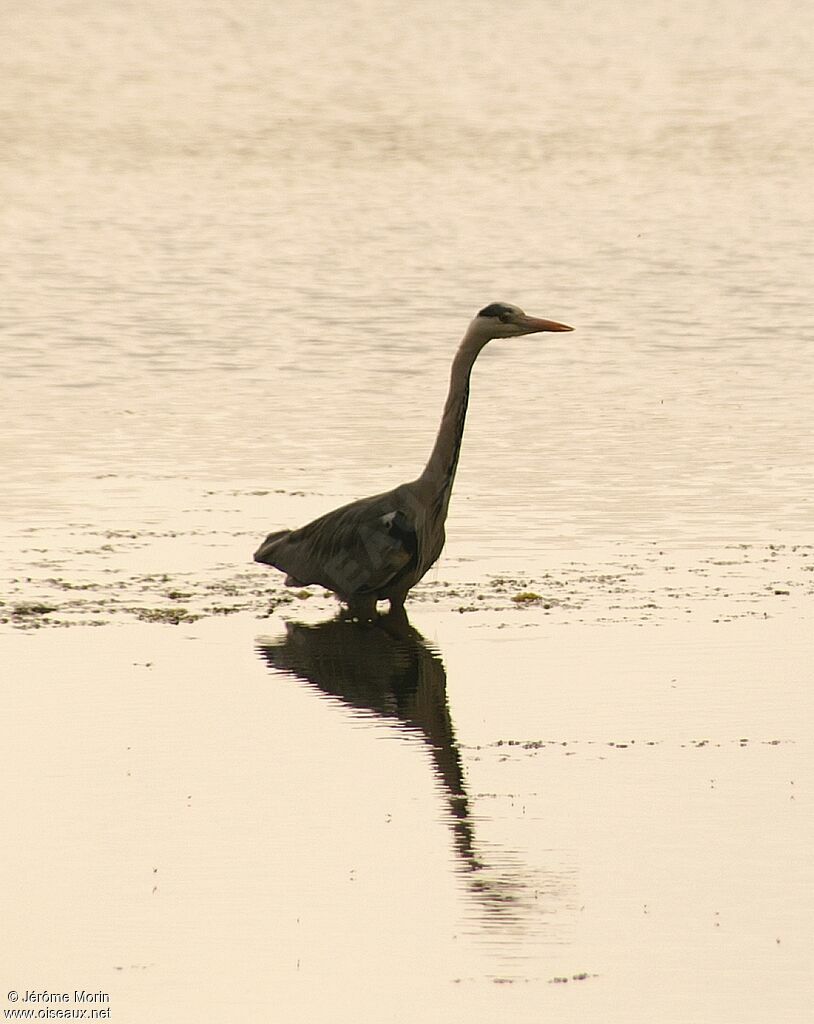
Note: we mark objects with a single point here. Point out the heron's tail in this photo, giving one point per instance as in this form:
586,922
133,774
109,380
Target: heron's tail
266,552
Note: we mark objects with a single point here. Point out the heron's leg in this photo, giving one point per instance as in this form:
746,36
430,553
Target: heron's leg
397,602
362,608
395,622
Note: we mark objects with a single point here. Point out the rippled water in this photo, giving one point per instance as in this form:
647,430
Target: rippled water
242,247
239,244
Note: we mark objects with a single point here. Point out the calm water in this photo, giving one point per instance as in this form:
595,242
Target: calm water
239,244
208,823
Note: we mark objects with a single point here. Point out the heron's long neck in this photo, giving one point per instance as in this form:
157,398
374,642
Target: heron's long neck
439,473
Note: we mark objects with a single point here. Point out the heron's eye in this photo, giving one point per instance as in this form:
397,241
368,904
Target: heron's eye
505,318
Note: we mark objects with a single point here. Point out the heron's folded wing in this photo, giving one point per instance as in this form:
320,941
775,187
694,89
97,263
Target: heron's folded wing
354,550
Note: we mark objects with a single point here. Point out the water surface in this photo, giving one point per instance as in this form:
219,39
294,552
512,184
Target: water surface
239,245
242,248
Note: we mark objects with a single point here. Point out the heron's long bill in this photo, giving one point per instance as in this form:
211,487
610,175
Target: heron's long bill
534,324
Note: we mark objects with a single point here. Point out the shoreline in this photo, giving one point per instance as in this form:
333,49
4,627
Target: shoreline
645,585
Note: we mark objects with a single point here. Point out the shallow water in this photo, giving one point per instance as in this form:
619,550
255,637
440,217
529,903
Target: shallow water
444,821
238,249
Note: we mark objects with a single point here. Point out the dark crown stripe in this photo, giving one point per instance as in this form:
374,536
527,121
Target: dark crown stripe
495,309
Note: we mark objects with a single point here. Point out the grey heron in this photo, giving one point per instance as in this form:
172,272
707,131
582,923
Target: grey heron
378,548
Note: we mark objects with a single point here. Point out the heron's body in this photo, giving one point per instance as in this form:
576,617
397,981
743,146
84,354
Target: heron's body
378,548
374,549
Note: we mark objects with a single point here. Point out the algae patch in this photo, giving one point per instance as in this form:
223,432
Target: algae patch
170,616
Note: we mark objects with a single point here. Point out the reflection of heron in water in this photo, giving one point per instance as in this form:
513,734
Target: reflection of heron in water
388,668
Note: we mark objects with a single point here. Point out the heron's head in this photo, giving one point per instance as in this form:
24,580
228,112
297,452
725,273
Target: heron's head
502,320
